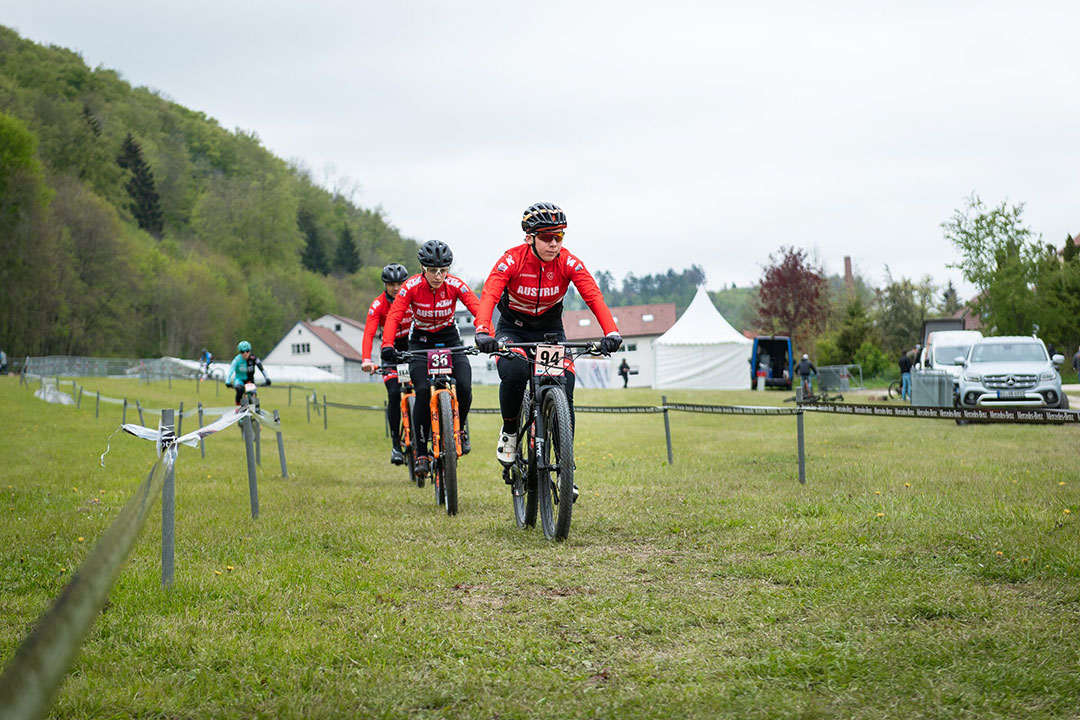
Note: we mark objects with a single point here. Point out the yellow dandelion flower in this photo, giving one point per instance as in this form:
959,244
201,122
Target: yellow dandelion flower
75,489
63,570
877,492
1067,511
217,572
881,514
1061,483
1024,561
999,553
907,484
80,538
229,568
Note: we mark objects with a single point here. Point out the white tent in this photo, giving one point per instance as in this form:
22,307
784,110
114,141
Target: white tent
701,351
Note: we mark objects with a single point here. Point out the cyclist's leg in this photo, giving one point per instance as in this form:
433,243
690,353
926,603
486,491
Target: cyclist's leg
514,374
463,382
421,420
239,391
393,408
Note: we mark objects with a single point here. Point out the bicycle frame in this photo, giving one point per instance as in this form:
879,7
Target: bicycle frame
447,386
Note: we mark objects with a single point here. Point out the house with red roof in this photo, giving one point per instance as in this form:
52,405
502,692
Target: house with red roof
310,343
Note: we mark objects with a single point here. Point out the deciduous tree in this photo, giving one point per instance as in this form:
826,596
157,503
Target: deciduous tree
792,296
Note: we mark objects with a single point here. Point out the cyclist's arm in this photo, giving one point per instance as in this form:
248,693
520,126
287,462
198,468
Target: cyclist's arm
469,300
236,363
393,318
493,290
372,324
258,364
590,293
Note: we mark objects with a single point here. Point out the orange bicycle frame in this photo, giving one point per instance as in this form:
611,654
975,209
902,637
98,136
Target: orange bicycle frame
436,431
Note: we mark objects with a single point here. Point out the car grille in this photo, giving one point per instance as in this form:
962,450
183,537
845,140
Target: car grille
1009,381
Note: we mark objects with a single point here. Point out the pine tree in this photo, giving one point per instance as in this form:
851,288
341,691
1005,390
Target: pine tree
950,302
145,204
313,256
347,258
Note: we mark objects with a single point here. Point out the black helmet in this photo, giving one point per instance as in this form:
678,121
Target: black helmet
435,254
543,216
394,273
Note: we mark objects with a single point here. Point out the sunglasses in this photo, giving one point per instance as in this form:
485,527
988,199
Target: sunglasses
551,236
437,271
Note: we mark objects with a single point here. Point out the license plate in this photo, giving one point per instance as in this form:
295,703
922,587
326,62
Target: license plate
439,362
549,360
1010,394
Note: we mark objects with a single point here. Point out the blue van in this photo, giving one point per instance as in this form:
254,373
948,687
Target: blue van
772,353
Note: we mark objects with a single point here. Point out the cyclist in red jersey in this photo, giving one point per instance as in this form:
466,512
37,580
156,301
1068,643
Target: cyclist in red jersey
432,297
528,283
393,276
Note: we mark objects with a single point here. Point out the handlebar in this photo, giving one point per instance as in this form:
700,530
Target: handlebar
587,348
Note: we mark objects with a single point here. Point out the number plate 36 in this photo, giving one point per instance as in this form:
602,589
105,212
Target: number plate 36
549,360
439,362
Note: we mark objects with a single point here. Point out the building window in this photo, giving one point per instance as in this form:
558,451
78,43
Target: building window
627,347
337,327
301,348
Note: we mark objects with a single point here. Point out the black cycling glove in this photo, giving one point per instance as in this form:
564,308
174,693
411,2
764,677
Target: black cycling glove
389,355
610,343
486,343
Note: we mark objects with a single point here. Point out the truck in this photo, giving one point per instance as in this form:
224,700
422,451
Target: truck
772,355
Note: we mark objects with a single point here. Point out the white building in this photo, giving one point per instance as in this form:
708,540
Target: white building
639,326
319,346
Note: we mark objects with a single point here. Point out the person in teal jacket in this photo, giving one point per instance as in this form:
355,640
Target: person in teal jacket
243,369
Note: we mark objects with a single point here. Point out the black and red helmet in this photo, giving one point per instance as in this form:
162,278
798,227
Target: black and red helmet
542,217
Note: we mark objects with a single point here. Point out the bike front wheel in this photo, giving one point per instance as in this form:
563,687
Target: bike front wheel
894,389
555,466
448,451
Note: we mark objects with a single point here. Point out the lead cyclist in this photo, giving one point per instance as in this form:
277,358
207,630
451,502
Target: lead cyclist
528,284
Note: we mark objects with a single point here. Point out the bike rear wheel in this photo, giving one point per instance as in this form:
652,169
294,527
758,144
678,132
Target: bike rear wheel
894,389
448,451
555,466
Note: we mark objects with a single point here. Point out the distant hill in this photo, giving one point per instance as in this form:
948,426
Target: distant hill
131,225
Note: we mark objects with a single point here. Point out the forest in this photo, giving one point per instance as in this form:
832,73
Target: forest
132,226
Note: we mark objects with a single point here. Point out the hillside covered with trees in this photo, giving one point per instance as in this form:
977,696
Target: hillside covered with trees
132,226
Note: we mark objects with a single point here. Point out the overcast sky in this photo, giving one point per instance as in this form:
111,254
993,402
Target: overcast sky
670,132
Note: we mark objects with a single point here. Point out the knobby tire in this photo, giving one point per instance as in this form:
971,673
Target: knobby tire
527,460
449,453
411,453
556,493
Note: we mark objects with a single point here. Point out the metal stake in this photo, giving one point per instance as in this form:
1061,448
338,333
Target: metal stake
249,448
180,420
168,507
802,449
281,446
202,441
324,411
667,430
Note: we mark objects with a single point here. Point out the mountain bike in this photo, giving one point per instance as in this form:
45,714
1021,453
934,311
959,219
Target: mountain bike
445,421
408,402
541,477
894,389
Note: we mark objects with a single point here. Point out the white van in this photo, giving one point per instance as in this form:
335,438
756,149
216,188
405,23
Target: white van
944,346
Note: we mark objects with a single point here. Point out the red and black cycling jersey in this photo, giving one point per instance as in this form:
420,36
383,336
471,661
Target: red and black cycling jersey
432,310
376,318
529,292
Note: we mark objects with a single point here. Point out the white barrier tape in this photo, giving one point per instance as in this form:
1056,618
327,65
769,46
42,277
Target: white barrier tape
267,421
191,439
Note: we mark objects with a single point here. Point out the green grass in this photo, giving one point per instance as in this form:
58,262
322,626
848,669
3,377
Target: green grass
715,587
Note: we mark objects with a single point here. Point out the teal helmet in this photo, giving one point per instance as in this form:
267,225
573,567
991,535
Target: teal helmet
243,346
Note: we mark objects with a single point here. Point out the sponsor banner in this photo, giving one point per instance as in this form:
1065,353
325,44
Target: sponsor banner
992,415
732,409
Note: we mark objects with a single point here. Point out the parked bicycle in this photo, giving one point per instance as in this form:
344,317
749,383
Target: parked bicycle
541,478
445,422
408,402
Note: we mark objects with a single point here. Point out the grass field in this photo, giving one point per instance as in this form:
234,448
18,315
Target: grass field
924,570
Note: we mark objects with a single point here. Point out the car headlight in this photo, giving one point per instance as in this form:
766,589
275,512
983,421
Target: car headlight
973,378
1048,375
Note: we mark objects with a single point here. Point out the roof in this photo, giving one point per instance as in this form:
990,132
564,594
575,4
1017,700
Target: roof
582,325
334,341
702,324
342,318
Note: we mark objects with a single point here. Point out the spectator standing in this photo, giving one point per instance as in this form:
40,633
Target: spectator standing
905,376
624,370
1076,362
805,369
